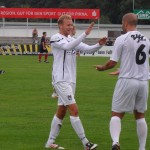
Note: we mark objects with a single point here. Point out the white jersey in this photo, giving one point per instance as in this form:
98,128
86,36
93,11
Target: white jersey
132,49
64,52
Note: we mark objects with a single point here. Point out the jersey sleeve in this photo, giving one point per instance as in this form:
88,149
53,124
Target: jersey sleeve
88,48
60,42
56,39
117,50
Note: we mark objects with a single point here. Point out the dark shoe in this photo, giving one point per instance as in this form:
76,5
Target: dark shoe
40,61
116,146
2,71
90,146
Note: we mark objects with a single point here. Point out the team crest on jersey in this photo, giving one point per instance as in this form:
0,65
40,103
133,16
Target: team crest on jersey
73,51
69,97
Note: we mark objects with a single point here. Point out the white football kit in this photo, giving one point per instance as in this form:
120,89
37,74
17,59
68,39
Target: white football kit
64,64
131,91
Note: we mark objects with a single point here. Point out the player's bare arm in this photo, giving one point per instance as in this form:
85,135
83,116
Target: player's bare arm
43,44
110,64
87,32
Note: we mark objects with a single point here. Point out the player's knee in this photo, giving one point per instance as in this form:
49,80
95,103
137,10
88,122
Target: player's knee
61,112
74,111
138,115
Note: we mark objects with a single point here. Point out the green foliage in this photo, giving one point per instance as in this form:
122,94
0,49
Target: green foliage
26,107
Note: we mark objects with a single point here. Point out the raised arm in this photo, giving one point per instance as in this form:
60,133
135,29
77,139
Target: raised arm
58,42
92,48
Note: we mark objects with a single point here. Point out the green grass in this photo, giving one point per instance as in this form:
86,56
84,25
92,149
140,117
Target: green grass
26,107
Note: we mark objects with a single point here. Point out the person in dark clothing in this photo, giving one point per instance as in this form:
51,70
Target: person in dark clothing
43,49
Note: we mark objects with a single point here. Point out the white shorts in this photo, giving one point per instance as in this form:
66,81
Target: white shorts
65,92
130,95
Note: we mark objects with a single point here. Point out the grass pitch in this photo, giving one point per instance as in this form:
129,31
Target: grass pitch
26,107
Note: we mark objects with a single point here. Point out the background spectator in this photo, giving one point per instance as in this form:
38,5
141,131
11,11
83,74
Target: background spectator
35,36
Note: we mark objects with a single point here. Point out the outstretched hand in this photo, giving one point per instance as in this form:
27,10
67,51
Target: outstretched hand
102,41
99,67
87,32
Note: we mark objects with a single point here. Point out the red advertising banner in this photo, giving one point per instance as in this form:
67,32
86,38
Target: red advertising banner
48,13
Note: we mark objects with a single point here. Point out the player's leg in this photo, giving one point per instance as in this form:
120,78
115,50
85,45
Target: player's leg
55,127
115,121
77,124
58,117
115,129
140,108
40,56
78,127
123,101
141,129
65,93
74,118
46,56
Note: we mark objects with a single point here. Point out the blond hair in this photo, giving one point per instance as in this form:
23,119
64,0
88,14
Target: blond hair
62,17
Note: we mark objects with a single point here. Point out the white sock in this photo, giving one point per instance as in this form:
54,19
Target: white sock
77,125
55,128
142,133
115,129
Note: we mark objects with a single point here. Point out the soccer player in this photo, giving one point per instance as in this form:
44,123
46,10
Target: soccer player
72,33
43,48
64,78
131,91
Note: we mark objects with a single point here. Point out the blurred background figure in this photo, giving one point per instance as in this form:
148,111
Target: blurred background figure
43,49
35,36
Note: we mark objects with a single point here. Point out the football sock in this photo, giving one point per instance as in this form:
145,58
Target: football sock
142,133
77,125
115,129
55,128
40,56
46,56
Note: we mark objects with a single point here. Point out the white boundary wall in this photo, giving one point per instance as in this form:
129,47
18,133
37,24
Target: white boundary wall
25,30
21,30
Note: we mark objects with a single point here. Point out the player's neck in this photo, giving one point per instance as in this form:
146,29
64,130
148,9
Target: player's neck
131,29
66,35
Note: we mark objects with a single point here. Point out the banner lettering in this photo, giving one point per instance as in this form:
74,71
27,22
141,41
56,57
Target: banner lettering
49,13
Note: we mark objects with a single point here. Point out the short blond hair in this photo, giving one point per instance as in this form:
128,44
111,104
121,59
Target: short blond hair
62,17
